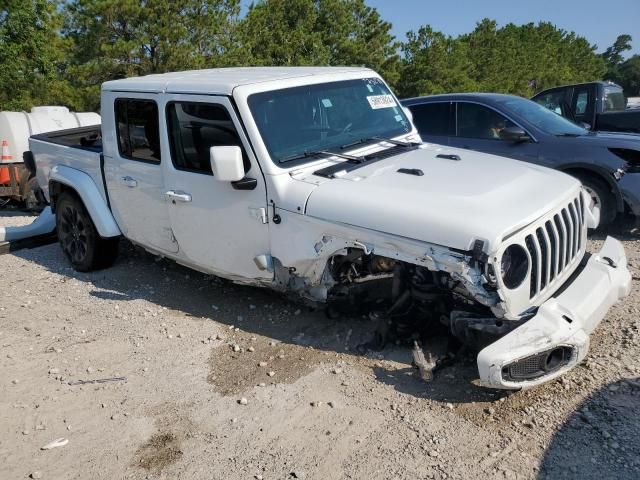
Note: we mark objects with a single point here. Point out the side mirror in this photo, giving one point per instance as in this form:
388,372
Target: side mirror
514,134
226,163
585,125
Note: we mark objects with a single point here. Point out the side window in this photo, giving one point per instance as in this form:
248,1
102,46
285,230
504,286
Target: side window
138,130
552,101
478,121
432,118
582,101
194,128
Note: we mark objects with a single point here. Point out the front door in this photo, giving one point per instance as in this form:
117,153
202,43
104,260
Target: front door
220,227
133,170
478,128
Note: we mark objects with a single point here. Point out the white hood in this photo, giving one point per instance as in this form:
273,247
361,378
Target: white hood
454,203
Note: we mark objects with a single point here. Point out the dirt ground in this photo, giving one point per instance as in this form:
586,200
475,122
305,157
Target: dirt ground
210,380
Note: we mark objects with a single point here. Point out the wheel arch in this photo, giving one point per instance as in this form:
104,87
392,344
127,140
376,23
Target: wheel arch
577,169
66,179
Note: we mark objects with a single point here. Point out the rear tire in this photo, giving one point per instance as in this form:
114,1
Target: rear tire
600,192
80,241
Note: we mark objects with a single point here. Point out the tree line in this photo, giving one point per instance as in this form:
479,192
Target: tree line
60,51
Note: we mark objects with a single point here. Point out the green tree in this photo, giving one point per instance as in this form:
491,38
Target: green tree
520,58
614,58
282,33
32,55
318,32
356,35
434,63
121,38
513,59
629,76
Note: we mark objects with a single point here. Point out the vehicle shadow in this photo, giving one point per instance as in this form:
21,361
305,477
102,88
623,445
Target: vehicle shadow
455,383
138,275
601,439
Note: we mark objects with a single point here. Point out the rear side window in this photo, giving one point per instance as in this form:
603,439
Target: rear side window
432,118
196,127
552,100
614,99
138,130
582,102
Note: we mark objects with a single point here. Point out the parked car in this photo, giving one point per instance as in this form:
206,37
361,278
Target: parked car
312,181
598,106
608,165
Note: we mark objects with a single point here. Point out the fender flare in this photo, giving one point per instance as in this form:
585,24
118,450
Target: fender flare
84,186
600,172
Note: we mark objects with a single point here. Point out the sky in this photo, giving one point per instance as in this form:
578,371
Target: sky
598,21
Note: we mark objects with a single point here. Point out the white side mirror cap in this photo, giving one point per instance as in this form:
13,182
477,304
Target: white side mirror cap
226,163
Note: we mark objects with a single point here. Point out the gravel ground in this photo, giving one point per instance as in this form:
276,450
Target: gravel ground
214,380
15,218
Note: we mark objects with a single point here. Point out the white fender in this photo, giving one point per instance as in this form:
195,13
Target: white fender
85,187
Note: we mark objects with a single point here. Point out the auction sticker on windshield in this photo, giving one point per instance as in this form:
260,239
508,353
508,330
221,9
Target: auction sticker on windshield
381,101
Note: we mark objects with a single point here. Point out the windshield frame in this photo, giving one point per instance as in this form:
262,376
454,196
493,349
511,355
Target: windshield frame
572,129
345,143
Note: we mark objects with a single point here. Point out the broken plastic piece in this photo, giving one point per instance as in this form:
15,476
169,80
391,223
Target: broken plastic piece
58,442
425,364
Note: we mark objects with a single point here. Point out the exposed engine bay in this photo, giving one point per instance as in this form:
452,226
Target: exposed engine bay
410,301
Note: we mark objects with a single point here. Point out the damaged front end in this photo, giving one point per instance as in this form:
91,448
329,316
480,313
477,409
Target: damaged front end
522,307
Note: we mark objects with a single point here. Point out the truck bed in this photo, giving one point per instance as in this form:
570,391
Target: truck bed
76,148
624,121
86,138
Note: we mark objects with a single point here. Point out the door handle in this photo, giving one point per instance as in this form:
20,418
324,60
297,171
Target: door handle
178,196
129,182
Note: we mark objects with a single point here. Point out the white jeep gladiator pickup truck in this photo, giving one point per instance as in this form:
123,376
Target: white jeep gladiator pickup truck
313,181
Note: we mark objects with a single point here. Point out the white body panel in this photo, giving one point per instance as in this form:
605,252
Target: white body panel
136,188
457,218
218,229
416,206
566,320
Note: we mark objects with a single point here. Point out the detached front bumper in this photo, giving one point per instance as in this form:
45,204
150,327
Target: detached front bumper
556,339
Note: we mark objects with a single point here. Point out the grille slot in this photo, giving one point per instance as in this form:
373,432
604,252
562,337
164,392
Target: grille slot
555,245
538,365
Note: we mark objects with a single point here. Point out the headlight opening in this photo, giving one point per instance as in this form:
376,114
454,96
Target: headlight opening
514,266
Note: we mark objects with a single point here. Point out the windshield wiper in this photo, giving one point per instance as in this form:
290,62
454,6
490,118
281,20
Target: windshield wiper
317,153
570,134
378,139
398,143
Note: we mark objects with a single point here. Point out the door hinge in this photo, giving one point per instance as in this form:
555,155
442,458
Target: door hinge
260,214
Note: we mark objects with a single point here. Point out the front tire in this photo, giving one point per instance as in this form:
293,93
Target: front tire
79,238
601,194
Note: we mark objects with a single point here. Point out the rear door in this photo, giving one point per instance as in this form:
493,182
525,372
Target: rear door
434,121
478,128
221,227
582,104
133,169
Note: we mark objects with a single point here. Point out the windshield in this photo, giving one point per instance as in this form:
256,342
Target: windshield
614,99
543,118
325,117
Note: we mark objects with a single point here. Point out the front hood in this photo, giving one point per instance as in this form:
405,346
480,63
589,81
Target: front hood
612,139
452,204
